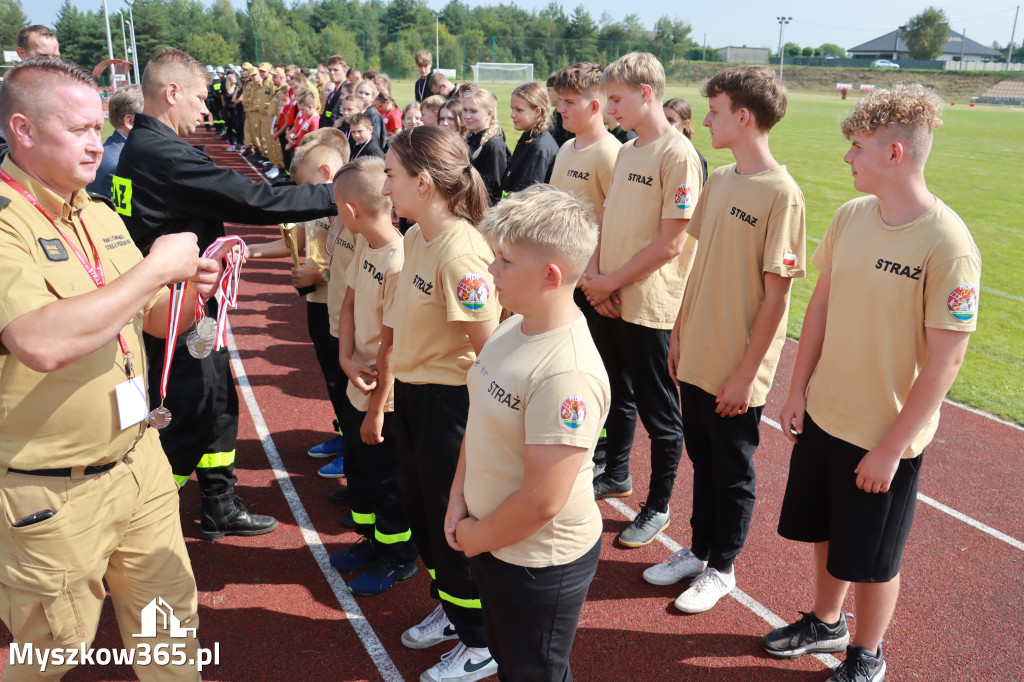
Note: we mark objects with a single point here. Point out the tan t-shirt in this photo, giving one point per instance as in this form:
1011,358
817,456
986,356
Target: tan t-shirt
745,226
889,284
341,248
656,182
316,254
67,417
373,276
587,172
444,282
547,389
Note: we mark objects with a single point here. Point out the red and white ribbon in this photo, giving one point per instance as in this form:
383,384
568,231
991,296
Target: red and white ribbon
228,285
173,315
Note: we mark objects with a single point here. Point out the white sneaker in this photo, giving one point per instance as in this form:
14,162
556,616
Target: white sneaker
706,590
678,565
434,629
273,173
462,664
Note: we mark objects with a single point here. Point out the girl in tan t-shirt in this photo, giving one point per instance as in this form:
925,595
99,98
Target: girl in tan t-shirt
443,312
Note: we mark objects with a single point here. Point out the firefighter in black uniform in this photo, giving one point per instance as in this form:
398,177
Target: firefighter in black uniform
163,185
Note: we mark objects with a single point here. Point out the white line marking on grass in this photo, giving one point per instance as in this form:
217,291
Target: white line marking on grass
759,609
973,523
385,666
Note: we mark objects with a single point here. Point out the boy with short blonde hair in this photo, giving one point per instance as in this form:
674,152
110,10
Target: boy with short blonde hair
316,164
361,138
731,326
859,435
371,466
522,504
643,260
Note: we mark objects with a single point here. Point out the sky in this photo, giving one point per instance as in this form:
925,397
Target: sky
747,22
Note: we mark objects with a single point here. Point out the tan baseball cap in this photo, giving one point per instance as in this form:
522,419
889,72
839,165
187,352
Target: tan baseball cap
266,66
279,72
246,66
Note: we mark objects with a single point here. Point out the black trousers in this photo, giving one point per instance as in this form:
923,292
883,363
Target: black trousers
531,614
203,402
234,121
724,483
636,358
430,421
374,490
325,345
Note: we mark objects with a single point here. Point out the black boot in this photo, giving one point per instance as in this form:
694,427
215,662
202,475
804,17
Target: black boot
226,515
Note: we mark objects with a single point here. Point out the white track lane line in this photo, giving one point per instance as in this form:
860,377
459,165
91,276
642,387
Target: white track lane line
385,666
973,523
759,609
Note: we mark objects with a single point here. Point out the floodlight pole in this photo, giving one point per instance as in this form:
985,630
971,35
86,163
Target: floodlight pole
135,50
110,45
124,37
1013,33
782,57
437,40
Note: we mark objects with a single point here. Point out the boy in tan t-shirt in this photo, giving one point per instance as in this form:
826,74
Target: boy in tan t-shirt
729,332
643,260
316,164
371,463
522,504
888,325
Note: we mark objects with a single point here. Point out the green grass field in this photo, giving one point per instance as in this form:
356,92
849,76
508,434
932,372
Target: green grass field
973,168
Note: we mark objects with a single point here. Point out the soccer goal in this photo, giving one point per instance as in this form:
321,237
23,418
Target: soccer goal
489,72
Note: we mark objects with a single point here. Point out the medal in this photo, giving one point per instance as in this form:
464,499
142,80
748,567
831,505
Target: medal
200,340
159,418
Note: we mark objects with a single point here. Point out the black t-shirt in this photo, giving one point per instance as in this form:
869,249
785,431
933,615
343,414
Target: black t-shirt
420,89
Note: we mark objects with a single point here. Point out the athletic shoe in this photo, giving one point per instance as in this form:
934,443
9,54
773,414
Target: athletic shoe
678,565
332,447
340,496
249,152
644,528
860,666
231,148
706,590
434,629
462,664
382,575
333,469
359,555
604,487
273,173
807,636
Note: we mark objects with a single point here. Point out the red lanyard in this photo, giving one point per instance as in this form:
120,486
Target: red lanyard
96,273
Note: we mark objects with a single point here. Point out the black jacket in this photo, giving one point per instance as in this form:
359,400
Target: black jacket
332,109
380,131
163,185
491,162
558,132
623,136
531,162
420,89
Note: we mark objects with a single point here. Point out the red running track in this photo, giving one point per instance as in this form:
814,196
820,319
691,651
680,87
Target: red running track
277,614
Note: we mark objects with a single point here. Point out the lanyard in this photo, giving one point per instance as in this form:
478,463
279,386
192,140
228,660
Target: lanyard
96,273
361,149
173,315
228,285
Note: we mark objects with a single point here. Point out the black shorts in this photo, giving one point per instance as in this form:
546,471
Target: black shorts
866,532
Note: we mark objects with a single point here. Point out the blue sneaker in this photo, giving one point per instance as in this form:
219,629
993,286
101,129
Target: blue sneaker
381,575
359,555
329,448
333,469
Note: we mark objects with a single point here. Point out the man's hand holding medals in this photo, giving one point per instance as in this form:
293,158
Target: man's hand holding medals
218,271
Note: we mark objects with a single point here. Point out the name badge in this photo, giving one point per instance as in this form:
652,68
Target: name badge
132,404
54,249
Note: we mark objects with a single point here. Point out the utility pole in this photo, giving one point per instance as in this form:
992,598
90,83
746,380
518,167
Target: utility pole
782,57
135,50
437,40
124,38
1013,34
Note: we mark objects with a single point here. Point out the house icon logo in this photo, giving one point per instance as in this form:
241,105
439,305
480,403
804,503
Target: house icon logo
159,610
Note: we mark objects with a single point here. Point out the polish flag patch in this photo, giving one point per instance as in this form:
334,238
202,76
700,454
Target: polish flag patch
789,259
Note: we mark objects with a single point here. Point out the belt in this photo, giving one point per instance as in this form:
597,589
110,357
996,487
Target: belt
65,473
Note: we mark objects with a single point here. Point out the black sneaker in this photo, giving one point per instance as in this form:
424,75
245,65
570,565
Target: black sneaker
807,636
860,666
605,486
340,496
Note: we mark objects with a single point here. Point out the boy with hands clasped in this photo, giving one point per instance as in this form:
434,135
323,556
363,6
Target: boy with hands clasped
883,339
522,504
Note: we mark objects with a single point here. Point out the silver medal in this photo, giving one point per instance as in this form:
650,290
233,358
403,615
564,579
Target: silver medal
160,417
206,328
198,347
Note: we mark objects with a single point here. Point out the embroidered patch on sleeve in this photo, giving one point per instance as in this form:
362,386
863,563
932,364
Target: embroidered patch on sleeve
684,197
473,291
963,302
573,412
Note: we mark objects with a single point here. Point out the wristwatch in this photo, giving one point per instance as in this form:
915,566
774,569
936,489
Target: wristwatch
326,274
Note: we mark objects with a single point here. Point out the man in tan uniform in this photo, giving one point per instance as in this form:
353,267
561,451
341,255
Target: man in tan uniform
86,491
261,105
249,76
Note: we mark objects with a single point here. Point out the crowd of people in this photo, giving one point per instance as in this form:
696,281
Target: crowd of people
489,326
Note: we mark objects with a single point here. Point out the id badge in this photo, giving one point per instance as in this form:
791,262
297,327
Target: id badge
132,404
